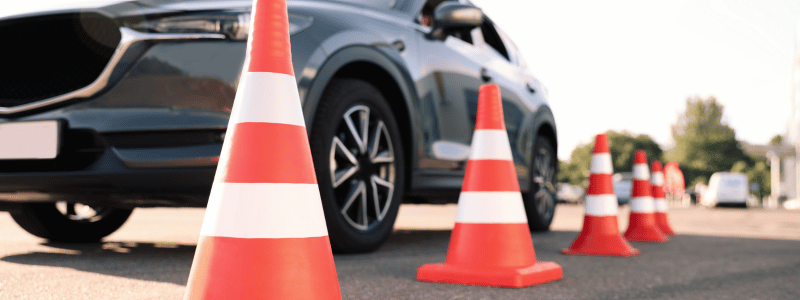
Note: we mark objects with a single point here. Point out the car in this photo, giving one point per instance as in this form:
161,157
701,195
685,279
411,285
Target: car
726,189
568,193
623,185
113,107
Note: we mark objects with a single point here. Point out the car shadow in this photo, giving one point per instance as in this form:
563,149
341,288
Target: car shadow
161,262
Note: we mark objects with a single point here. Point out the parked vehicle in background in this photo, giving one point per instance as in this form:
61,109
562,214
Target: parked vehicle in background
623,184
726,189
131,102
693,196
568,193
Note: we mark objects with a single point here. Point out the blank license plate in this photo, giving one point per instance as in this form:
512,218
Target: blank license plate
29,140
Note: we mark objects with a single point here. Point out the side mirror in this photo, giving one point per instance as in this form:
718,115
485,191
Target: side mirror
453,15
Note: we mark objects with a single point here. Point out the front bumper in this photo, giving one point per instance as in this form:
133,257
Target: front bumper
135,169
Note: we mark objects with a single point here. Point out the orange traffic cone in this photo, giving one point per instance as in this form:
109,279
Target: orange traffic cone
491,243
264,233
642,226
657,183
600,234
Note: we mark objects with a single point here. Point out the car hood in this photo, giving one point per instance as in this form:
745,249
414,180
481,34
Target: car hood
114,8
13,9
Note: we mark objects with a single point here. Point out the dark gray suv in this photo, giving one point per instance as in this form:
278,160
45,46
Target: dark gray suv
106,109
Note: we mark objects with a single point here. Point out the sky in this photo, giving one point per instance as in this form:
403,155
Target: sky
629,65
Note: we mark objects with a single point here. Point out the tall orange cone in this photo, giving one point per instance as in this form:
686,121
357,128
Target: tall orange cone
491,243
600,234
657,183
264,234
642,226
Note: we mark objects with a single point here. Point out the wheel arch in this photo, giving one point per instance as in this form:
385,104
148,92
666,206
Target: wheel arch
545,126
379,69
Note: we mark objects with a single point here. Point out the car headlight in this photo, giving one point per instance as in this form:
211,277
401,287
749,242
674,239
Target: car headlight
234,25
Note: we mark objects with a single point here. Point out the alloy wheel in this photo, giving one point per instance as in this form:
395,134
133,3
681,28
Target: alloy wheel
81,213
362,168
543,177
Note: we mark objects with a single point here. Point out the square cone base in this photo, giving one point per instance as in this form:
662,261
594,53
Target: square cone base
518,277
650,235
601,245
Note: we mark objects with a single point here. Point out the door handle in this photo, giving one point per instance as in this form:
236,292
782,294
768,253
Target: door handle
530,88
485,75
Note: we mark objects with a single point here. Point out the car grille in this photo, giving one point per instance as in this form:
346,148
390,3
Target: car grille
47,56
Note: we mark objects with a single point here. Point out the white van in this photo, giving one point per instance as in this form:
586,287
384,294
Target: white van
724,188
623,185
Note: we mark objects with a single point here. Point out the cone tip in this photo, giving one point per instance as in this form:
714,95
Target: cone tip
489,88
269,45
656,166
490,108
601,144
640,157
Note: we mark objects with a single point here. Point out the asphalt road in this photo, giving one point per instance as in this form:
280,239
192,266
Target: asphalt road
720,254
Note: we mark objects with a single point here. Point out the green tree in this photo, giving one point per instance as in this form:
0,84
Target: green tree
622,145
776,140
759,173
756,172
739,167
576,171
703,143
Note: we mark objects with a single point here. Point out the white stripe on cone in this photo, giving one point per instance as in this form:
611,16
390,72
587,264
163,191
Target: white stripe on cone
657,179
264,210
490,144
491,207
642,204
601,205
282,105
660,205
601,164
641,172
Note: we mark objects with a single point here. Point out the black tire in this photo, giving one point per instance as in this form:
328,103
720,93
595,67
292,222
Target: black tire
349,230
540,200
46,220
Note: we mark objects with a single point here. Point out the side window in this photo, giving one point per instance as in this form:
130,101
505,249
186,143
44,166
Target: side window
513,51
493,39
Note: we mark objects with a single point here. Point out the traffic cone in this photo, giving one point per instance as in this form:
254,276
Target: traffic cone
642,226
659,199
491,242
264,233
600,234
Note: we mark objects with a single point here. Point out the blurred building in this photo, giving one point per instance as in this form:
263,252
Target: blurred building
784,159
784,165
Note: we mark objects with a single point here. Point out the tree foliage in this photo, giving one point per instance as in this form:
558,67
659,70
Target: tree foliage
757,172
776,140
703,143
622,146
625,145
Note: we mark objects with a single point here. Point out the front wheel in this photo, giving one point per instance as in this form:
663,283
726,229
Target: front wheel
540,200
358,157
70,222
